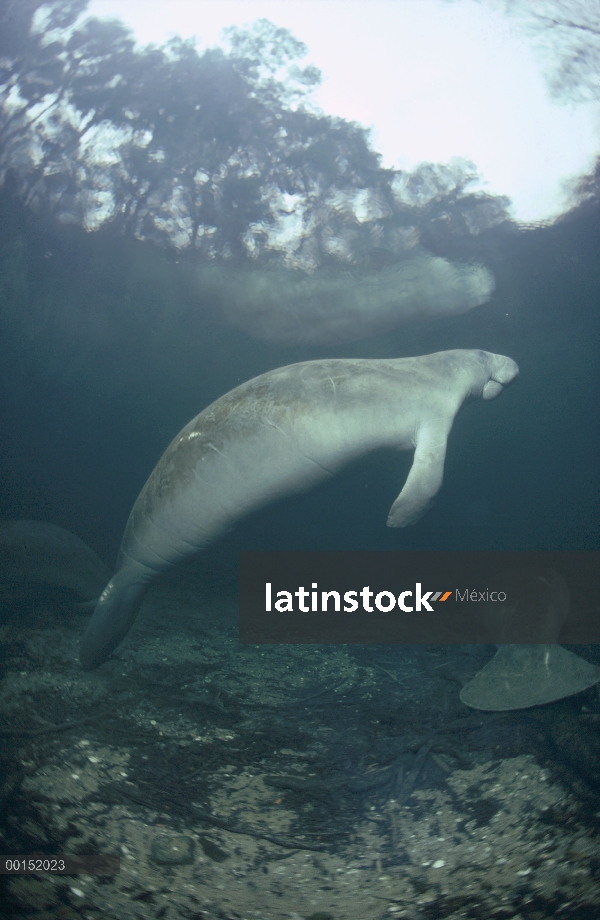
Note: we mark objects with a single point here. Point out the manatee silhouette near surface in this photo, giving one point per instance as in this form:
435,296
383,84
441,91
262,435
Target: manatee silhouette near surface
331,306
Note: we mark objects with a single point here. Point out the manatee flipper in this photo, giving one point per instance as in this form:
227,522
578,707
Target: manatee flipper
425,477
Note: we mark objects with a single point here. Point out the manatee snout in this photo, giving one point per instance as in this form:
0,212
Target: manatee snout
503,371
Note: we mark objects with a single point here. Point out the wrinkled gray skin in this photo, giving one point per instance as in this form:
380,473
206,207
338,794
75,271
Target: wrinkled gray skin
34,554
282,433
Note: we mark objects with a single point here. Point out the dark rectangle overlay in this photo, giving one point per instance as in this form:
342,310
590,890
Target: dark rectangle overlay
99,864
419,597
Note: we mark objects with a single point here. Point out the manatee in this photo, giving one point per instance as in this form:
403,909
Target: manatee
330,306
279,434
523,674
35,556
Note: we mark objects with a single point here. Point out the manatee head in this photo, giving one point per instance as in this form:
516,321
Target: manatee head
501,371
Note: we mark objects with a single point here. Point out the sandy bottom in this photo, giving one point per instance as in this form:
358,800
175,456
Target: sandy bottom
292,782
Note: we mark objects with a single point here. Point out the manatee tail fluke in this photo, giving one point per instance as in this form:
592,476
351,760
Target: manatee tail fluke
521,676
85,606
111,620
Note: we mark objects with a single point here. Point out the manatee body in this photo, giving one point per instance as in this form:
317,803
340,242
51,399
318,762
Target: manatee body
282,433
35,555
328,306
